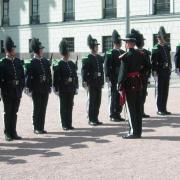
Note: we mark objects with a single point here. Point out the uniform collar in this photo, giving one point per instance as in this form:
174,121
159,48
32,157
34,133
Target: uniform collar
62,59
10,58
37,57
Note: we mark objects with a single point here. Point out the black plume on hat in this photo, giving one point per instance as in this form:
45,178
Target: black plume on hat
116,38
63,47
162,32
138,36
92,42
9,44
35,45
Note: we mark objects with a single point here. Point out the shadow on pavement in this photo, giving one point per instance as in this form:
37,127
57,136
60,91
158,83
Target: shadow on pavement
44,145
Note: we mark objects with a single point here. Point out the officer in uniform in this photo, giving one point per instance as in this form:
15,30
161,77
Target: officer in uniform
130,82
145,73
65,85
12,81
39,83
93,79
161,67
112,65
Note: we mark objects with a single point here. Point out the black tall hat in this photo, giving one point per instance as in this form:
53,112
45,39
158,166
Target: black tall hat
130,38
9,44
162,32
138,36
35,45
63,47
92,42
116,38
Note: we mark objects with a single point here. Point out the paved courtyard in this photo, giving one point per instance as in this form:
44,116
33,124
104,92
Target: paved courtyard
93,153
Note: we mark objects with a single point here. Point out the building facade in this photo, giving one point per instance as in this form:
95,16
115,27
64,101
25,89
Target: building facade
52,20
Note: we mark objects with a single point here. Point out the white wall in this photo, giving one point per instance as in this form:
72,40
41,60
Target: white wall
50,11
19,12
88,9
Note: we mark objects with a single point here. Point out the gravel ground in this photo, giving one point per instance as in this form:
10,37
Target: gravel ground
97,153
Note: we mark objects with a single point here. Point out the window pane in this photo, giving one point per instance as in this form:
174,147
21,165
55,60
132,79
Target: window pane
107,43
70,42
35,7
69,5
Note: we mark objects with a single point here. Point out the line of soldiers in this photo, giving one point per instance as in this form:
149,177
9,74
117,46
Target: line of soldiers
126,73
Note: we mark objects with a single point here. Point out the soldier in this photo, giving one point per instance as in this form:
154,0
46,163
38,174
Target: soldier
65,85
161,67
39,83
177,59
12,81
112,65
93,79
145,73
129,80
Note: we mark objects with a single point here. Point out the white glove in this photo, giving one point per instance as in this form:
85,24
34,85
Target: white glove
55,92
155,76
27,92
85,86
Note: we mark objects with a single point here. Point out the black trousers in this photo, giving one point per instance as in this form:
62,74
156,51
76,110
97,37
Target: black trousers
134,109
163,91
11,107
94,103
66,107
144,93
40,101
115,108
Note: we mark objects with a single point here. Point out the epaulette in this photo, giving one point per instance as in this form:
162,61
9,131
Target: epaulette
109,52
155,47
178,45
1,59
55,63
26,63
84,59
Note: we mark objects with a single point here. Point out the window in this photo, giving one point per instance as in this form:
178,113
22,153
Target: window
2,47
162,7
69,14
70,42
34,19
5,19
168,39
110,10
107,43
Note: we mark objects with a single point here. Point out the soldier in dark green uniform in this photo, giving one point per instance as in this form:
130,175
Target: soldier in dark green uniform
161,67
112,65
12,82
130,82
93,79
39,83
145,73
177,59
65,85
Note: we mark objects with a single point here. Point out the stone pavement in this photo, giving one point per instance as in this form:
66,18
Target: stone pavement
93,153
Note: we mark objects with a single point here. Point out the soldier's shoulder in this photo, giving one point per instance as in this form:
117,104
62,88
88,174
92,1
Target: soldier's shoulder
109,51
85,58
178,45
155,47
147,52
2,59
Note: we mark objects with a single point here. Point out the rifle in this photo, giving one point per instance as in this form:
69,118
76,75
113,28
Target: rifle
50,60
76,63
